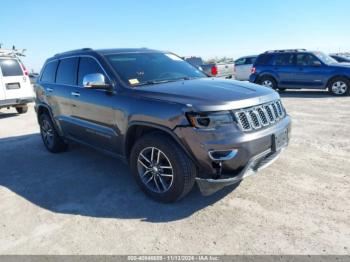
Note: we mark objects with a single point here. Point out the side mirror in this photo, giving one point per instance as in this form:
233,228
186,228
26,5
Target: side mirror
317,63
96,81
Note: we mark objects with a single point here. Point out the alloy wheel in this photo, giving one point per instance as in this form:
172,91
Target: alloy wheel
339,87
267,83
47,132
155,170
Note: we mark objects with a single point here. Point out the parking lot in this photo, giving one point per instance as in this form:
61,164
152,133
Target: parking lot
84,202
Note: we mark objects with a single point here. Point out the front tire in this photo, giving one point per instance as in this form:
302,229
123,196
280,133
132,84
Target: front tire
22,109
52,141
339,86
161,167
268,81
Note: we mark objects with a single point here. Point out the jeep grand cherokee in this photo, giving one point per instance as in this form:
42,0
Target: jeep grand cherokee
170,122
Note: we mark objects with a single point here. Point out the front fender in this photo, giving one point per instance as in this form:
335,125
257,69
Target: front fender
162,128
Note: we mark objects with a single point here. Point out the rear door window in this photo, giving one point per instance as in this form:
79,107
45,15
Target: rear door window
88,65
284,59
49,73
67,71
10,67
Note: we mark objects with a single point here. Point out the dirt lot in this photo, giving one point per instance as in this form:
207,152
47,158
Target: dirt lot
82,202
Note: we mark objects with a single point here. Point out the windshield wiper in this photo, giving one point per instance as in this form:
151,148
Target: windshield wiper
154,82
187,78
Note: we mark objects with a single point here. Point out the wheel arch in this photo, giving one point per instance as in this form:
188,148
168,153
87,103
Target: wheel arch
267,74
138,129
336,76
44,108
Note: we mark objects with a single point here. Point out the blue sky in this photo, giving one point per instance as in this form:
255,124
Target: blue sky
206,28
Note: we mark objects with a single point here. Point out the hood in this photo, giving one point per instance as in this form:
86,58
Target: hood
340,65
210,93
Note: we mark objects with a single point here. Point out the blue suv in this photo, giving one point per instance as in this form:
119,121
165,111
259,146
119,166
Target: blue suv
298,68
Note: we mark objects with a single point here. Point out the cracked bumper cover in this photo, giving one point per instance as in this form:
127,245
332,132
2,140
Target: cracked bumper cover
253,152
255,164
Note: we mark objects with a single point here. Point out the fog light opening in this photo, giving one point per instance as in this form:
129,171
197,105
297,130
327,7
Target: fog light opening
222,155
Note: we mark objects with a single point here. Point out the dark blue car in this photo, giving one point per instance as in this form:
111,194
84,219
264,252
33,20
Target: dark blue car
296,69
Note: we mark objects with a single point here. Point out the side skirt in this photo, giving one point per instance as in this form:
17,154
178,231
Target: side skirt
103,151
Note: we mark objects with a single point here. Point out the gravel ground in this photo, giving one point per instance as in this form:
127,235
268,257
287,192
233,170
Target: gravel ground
83,202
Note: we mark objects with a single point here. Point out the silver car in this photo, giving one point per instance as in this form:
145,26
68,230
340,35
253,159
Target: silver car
243,67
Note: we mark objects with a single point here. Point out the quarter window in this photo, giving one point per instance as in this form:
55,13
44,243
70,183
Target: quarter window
67,71
264,59
250,60
240,61
88,65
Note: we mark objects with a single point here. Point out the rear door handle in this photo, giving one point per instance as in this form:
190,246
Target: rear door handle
49,89
76,94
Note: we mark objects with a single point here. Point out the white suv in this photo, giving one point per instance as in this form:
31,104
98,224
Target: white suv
15,87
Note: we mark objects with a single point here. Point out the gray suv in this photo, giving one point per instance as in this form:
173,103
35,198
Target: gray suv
169,121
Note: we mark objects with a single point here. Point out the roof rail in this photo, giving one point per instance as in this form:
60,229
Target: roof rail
75,50
341,54
285,50
12,52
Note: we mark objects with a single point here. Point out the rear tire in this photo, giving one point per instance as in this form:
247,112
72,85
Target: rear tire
52,141
339,86
268,81
161,167
22,109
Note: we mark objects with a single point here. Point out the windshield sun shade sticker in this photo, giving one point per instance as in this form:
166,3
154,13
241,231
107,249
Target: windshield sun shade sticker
134,81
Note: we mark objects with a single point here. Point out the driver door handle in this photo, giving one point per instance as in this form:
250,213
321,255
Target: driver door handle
76,94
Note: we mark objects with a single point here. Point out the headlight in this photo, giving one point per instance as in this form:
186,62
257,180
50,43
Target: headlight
210,120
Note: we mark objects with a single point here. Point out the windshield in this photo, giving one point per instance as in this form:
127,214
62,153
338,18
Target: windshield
325,58
151,68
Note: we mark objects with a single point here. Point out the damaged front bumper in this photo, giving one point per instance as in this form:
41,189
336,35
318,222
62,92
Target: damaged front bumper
255,164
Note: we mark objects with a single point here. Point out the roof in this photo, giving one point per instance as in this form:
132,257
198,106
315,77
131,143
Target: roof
106,51
247,56
126,50
286,51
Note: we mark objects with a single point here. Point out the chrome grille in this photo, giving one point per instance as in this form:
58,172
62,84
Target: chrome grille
254,119
263,116
257,117
243,119
279,108
269,113
275,110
